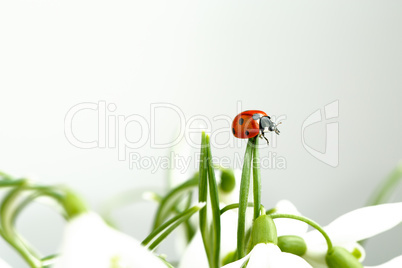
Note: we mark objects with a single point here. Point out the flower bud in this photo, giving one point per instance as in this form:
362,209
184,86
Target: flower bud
292,244
264,231
339,257
73,204
228,180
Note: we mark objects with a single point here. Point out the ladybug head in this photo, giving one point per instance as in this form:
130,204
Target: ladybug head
267,125
274,127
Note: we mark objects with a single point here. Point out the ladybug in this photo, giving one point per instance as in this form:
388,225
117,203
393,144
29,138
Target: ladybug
251,123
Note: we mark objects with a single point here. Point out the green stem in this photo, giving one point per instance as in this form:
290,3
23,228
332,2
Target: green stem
166,228
216,220
256,179
202,197
262,210
243,200
234,206
49,261
190,229
309,222
11,207
169,201
11,183
9,233
167,232
30,198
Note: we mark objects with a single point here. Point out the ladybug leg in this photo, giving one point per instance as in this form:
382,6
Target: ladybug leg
263,136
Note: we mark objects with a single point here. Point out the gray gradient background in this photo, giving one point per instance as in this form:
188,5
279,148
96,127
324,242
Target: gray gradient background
285,57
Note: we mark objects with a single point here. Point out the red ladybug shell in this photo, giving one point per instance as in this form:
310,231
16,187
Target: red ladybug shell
244,126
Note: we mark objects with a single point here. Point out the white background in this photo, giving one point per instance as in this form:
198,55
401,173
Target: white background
283,57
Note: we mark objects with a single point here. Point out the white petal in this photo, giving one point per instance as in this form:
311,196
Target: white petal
394,263
131,253
89,242
263,255
195,256
289,226
354,226
316,262
270,256
3,264
290,260
364,223
228,232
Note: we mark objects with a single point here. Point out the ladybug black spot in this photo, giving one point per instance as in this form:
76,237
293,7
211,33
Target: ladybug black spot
234,132
247,133
241,121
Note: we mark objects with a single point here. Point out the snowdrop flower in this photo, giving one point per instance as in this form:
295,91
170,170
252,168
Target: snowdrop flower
269,256
90,242
195,256
352,227
345,231
265,253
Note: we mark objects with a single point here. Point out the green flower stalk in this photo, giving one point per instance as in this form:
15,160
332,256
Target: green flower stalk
160,233
309,222
243,199
170,200
211,235
256,180
22,193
